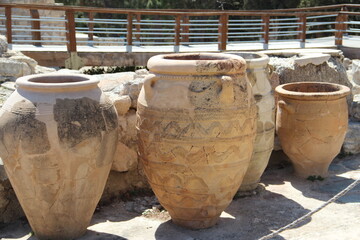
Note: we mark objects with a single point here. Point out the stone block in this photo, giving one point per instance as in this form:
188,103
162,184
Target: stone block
109,82
13,68
352,139
121,103
125,159
29,61
355,71
3,45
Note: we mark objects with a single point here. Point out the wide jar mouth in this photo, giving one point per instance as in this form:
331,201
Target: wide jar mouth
253,59
56,82
312,90
197,64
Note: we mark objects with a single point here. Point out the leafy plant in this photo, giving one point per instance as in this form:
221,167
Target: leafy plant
115,69
314,178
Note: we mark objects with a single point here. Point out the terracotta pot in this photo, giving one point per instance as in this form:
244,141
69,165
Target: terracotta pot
257,73
57,139
196,121
311,123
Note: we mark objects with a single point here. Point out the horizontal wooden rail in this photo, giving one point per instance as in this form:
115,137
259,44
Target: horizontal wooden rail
195,12
220,26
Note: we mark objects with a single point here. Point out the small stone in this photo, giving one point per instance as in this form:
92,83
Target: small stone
9,85
121,103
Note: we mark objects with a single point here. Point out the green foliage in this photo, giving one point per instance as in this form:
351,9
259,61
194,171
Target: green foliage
270,4
314,178
313,3
101,70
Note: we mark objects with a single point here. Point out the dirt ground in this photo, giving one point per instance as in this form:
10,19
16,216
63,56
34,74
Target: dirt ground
281,199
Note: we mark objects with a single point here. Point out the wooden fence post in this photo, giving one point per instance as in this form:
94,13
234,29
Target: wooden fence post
91,28
74,61
8,24
129,37
302,30
138,27
266,30
71,35
185,29
177,33
223,31
340,27
35,26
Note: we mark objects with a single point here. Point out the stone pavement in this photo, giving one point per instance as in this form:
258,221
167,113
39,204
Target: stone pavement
281,199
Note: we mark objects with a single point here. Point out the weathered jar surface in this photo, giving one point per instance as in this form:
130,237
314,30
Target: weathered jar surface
257,73
311,123
57,139
196,125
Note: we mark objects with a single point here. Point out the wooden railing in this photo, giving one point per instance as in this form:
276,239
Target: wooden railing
127,27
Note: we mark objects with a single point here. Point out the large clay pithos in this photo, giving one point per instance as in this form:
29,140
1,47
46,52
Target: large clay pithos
196,125
311,123
257,72
57,139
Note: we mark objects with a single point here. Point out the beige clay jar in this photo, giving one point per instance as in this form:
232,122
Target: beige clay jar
196,125
57,139
257,73
311,123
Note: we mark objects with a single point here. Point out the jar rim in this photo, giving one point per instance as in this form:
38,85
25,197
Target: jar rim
312,90
197,64
56,82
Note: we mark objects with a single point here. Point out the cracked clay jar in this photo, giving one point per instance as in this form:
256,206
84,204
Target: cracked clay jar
57,139
196,126
311,123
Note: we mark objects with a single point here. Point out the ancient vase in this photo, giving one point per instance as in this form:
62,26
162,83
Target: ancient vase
196,127
57,139
311,123
257,72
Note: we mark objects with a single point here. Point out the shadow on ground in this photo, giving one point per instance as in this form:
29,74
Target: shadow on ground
246,218
323,190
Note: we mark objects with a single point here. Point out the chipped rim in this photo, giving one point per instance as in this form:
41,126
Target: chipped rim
253,59
56,82
196,64
340,92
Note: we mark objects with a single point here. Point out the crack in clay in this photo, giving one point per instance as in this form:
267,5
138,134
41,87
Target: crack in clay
320,140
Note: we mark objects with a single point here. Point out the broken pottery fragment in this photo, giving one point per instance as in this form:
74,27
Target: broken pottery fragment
58,135
311,122
196,125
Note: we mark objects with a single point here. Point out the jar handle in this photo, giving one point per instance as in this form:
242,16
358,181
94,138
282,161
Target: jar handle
285,106
148,85
227,95
269,71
